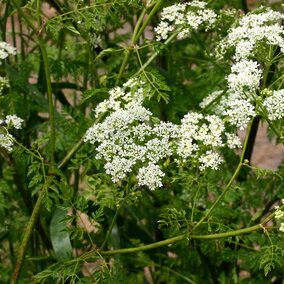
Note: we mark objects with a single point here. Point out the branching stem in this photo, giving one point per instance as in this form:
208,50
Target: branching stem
135,37
95,253
217,201
28,232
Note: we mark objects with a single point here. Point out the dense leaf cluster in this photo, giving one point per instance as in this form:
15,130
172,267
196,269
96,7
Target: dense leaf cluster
63,214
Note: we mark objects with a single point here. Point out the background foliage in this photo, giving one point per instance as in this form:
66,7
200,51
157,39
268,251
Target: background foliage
63,219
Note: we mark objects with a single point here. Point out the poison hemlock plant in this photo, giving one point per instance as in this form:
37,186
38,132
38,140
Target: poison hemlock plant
120,160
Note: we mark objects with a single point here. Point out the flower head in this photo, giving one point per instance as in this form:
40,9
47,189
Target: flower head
275,105
184,18
6,49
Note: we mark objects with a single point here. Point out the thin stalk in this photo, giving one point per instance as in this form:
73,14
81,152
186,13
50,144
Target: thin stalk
110,228
22,43
76,147
5,17
123,66
24,16
37,207
71,153
48,85
146,22
50,101
94,253
177,274
26,237
154,55
135,37
145,74
14,35
28,232
217,201
127,51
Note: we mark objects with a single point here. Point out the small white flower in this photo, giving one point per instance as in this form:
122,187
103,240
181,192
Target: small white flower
184,18
157,149
253,29
233,141
119,167
4,83
6,141
275,105
210,160
240,112
281,228
150,176
14,121
245,76
279,214
6,49
162,30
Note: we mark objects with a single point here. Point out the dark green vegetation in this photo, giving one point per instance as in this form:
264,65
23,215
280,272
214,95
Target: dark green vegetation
63,220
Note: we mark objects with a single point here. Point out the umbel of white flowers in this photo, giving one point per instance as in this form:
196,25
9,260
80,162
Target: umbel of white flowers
184,18
279,215
254,32
10,122
131,143
6,49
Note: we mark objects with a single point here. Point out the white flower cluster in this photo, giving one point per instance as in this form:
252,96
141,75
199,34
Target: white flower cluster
6,49
237,110
254,33
210,159
6,139
262,26
184,18
130,143
4,83
275,105
14,121
197,133
150,176
119,97
127,139
245,76
279,215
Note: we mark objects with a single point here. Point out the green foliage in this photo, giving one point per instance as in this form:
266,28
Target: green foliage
201,226
271,259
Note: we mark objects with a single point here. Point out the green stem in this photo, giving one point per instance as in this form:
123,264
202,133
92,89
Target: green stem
154,55
110,228
25,17
145,247
71,153
127,51
50,100
123,66
146,22
94,253
47,72
28,232
36,210
217,201
76,147
135,37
